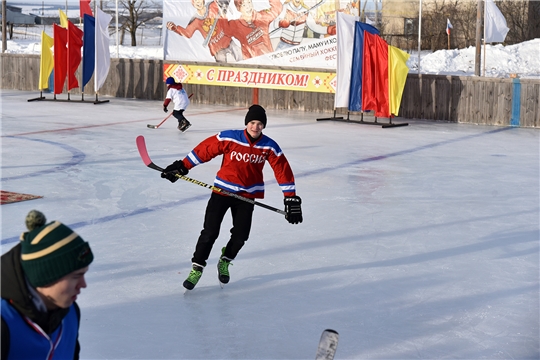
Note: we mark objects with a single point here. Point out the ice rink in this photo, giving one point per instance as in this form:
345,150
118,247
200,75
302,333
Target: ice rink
418,242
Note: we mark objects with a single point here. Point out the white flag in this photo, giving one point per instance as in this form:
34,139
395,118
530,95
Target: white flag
103,56
495,28
345,25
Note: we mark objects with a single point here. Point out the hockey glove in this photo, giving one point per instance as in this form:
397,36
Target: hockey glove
176,167
165,109
293,209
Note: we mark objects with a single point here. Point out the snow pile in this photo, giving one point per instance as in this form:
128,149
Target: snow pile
523,58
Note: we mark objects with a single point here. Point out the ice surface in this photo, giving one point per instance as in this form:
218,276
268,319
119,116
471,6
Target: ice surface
417,242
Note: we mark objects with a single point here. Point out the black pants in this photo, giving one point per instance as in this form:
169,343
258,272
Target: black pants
242,213
179,115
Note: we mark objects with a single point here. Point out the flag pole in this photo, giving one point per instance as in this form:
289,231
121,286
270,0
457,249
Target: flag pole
484,59
117,41
419,34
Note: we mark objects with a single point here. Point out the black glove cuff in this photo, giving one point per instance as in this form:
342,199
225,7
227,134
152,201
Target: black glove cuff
290,200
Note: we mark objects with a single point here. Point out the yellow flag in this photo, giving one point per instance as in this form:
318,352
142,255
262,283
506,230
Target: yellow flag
63,19
46,63
397,76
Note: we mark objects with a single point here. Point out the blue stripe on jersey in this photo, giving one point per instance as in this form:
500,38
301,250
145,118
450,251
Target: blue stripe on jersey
193,158
226,185
287,187
238,137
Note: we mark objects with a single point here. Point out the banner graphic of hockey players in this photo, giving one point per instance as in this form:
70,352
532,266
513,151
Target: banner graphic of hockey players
294,33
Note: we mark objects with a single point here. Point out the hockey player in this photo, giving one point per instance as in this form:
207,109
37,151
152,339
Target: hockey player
41,278
251,28
180,100
211,21
244,154
294,18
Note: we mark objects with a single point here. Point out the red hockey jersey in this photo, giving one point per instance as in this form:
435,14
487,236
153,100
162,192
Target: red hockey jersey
241,169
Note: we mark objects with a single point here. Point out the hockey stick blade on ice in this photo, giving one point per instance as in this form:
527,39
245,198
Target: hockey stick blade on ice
168,116
327,345
141,146
158,125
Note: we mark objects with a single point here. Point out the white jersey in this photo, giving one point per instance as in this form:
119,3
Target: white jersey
179,98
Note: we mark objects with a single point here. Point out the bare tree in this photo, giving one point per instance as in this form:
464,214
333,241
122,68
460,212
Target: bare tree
517,20
464,23
135,13
534,19
434,23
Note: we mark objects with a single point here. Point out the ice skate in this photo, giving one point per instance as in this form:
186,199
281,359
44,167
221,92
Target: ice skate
223,269
193,277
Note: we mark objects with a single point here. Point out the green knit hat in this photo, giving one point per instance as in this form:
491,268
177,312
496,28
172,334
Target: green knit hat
51,251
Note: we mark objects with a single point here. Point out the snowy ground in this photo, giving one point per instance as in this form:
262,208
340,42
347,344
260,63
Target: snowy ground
418,242
522,59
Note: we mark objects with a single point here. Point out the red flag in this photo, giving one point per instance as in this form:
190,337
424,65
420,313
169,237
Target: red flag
381,82
375,95
369,100
60,58
74,44
85,8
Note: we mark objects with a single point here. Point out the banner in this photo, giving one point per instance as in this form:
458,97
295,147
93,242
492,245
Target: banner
74,44
345,36
103,56
355,93
63,19
292,33
397,75
89,49
46,62
495,28
85,8
60,58
252,78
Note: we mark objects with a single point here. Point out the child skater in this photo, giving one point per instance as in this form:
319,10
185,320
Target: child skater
180,100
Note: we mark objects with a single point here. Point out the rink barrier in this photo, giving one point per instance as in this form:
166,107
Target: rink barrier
460,99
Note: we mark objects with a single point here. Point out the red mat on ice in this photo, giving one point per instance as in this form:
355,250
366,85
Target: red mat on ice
8,197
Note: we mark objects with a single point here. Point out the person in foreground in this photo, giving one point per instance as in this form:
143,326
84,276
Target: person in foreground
244,154
178,96
41,279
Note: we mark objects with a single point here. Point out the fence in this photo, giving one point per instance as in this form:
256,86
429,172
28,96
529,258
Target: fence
474,100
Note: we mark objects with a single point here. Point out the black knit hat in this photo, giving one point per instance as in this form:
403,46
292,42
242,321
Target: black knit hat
256,112
51,251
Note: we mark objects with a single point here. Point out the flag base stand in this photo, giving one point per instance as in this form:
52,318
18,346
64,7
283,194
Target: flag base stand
95,102
332,118
41,97
389,124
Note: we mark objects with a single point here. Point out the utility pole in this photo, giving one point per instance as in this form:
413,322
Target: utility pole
4,26
479,23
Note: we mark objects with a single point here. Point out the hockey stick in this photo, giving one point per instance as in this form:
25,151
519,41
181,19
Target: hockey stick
327,345
141,146
168,116
299,15
158,125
